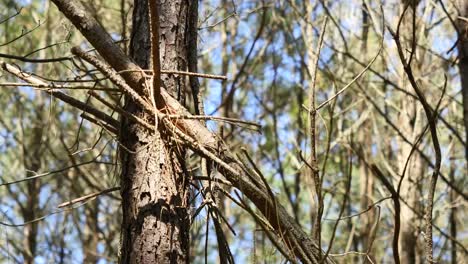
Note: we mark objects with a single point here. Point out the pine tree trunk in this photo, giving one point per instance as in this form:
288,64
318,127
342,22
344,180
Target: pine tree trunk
154,184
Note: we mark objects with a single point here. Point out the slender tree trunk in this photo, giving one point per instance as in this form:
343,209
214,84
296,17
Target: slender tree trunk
453,211
30,213
32,148
463,63
410,124
154,184
91,238
366,180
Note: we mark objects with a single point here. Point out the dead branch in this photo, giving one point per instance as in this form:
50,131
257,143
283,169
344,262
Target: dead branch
60,95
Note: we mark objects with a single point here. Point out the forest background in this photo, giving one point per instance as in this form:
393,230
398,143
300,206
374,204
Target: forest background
353,113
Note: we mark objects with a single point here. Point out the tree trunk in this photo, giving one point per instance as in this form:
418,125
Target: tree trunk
32,163
91,232
462,6
366,180
154,184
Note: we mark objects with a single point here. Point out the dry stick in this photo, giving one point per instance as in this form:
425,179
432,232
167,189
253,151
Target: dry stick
195,74
187,73
11,16
156,63
259,174
60,95
435,141
25,59
419,139
23,33
317,229
218,180
225,254
45,174
39,218
395,196
88,197
114,77
247,58
217,118
362,212
100,40
56,87
235,176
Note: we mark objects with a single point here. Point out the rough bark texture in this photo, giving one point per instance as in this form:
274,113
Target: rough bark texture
463,63
154,187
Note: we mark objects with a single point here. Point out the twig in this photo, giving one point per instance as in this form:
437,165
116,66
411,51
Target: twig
25,59
156,63
45,174
187,73
12,16
23,33
114,77
317,228
53,86
216,118
360,213
201,75
88,197
352,81
39,218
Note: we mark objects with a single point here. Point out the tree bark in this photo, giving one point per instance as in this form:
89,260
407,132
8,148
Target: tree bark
155,226
462,25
